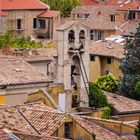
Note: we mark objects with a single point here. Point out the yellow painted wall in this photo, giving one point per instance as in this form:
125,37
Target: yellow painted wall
116,126
2,99
55,90
99,67
40,96
94,69
77,131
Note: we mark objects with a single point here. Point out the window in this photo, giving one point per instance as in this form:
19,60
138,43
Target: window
108,71
132,15
41,23
84,16
91,35
112,18
35,23
108,60
100,35
92,58
18,24
96,35
67,130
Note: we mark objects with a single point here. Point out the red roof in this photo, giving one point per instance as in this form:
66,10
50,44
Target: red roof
130,5
114,2
22,4
2,14
89,2
49,13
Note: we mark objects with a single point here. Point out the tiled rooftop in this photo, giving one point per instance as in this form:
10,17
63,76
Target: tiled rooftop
2,14
45,122
12,120
5,136
16,71
100,132
36,106
130,5
107,48
22,4
123,104
89,2
49,13
129,27
37,54
102,15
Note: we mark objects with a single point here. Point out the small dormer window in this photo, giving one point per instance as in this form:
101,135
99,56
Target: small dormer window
71,36
83,16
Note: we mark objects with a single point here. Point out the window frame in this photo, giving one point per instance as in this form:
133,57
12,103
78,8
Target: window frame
19,24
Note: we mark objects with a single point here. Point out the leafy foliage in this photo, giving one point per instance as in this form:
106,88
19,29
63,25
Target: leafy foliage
19,42
107,82
96,97
64,6
137,87
137,130
130,67
106,114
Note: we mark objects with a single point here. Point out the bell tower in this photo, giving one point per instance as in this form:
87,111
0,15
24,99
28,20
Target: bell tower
73,63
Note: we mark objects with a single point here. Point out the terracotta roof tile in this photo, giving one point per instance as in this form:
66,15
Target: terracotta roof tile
36,106
107,48
17,71
123,104
12,120
89,2
102,15
114,2
44,121
130,5
129,27
2,14
100,132
5,136
22,4
49,13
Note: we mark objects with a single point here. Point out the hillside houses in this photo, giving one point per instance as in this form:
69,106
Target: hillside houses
44,92
30,17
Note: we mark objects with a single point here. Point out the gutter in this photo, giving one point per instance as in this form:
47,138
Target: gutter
28,83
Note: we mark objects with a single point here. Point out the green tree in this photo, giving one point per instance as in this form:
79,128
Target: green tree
96,97
107,82
130,67
64,6
137,87
137,130
106,113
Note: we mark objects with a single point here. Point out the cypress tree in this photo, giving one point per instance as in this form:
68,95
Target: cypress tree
130,67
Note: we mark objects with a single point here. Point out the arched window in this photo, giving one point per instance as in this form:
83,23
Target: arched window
81,36
71,36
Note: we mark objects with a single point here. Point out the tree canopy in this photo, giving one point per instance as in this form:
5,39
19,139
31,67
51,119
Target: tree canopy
64,6
130,67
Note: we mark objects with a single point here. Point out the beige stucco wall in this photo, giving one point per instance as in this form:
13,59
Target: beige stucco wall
3,24
27,20
41,66
18,94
